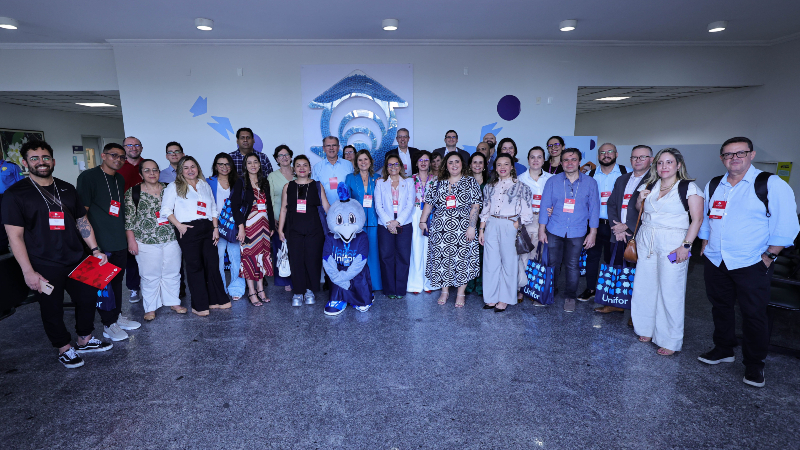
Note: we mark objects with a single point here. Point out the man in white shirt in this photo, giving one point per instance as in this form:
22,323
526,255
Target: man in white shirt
408,155
332,170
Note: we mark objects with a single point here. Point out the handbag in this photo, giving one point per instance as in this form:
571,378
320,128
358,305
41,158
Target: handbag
615,283
630,248
523,241
283,261
539,274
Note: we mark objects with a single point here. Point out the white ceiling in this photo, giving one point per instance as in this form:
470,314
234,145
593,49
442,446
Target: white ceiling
639,95
95,21
66,101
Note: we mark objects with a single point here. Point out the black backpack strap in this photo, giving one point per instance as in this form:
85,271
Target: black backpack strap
622,169
683,189
592,172
712,186
761,186
136,195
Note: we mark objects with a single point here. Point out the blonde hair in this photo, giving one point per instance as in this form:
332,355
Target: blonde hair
682,174
181,185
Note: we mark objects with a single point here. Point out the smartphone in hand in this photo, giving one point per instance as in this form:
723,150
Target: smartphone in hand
46,287
674,257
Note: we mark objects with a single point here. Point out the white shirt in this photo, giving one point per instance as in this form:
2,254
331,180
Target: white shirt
537,186
222,195
633,181
186,209
405,158
667,211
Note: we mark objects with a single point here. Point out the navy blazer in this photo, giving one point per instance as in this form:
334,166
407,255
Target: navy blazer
239,198
463,153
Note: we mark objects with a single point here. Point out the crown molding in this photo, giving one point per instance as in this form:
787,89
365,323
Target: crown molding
55,46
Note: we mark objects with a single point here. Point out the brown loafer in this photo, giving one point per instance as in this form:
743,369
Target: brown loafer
200,313
608,309
150,316
179,309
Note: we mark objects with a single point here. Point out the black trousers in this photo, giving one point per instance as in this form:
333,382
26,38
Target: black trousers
3,235
202,265
118,258
305,260
133,281
750,286
602,245
51,306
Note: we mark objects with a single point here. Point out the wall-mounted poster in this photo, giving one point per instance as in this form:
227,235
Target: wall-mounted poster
11,142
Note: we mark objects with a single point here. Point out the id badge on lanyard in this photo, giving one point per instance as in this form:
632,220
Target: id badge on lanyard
114,208
334,183
625,200
161,220
395,206
201,208
718,209
57,220
261,204
301,206
367,201
537,203
604,198
450,202
569,205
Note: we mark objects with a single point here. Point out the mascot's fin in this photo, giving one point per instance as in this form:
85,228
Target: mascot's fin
343,192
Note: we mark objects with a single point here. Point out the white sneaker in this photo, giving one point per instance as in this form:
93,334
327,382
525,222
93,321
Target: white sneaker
127,324
309,297
135,297
114,332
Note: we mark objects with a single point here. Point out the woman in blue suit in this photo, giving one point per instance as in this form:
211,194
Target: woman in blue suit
361,184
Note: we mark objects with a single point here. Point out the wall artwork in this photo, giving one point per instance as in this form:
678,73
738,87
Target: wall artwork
11,142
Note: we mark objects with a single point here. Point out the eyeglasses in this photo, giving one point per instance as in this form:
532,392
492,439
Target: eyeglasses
34,159
451,137
640,158
607,152
393,165
178,152
553,145
739,155
223,165
283,156
151,170
423,161
350,152
133,145
117,156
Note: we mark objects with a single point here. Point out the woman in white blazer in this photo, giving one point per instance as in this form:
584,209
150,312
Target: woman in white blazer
394,203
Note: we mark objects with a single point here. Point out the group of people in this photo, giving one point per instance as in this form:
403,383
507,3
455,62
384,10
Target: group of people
434,220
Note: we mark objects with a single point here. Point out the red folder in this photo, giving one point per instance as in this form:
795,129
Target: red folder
90,271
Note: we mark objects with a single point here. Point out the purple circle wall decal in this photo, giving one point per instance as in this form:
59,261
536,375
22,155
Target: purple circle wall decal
592,143
258,145
509,107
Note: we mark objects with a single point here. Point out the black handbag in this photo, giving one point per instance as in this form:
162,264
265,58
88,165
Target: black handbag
523,241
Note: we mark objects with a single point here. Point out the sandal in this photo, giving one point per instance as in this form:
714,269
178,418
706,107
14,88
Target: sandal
255,303
264,299
179,309
644,339
460,304
665,352
443,298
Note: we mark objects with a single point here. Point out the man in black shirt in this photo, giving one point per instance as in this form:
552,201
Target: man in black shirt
45,222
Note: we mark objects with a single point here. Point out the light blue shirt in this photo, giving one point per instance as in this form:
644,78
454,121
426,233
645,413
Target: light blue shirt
744,232
605,183
323,171
9,174
557,190
167,175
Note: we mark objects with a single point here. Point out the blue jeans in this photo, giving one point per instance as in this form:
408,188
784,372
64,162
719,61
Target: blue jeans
237,286
568,251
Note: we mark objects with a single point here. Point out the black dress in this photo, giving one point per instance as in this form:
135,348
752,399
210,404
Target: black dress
305,236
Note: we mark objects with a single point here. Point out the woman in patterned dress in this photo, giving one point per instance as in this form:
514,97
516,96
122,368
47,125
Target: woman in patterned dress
255,229
151,239
452,247
478,169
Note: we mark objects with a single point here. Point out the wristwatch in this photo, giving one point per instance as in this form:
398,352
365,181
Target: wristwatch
771,256
96,249
687,244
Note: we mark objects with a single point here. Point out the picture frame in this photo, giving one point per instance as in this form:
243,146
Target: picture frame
11,141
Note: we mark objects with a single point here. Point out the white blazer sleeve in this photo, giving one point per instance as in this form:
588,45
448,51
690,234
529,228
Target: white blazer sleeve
380,202
407,198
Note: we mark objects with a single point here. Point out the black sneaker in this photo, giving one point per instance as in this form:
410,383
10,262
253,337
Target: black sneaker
587,295
754,376
70,359
94,345
716,356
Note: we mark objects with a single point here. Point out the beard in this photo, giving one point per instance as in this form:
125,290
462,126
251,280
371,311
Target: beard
610,163
491,145
42,171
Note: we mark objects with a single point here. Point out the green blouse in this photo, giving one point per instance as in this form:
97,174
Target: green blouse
142,220
276,183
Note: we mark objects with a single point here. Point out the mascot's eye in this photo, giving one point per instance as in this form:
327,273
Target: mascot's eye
352,218
339,219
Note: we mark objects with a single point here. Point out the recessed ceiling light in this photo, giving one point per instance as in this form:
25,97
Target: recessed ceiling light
204,24
390,24
568,25
610,99
8,23
96,105
717,26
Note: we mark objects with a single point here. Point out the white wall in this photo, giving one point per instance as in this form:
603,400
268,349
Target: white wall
89,69
62,130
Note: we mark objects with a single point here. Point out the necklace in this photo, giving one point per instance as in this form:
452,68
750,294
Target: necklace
668,188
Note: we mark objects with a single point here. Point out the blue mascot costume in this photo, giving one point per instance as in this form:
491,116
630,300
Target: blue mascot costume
344,255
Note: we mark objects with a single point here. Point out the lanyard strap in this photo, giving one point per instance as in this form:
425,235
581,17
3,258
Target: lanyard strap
109,187
46,203
574,193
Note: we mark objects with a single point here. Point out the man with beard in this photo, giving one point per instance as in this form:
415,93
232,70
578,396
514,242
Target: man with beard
130,172
491,142
45,221
450,142
101,192
605,178
245,140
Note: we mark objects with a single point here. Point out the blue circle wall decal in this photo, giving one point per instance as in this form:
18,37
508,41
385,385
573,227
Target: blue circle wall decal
509,107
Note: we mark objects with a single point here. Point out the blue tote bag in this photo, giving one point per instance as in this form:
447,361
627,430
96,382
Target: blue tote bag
540,278
582,262
615,283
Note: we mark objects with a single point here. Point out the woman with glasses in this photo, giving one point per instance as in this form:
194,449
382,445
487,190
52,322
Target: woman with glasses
277,180
417,281
189,205
394,204
452,248
361,184
555,145
478,170
349,154
151,239
534,178
222,180
509,147
672,215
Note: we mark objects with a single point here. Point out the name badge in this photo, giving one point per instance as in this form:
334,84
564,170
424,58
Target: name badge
367,201
395,206
405,168
604,198
718,209
301,206
334,183
261,204
537,203
161,220
569,205
114,208
57,221
201,209
450,201
625,200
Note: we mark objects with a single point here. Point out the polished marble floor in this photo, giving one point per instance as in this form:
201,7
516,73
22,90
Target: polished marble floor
406,374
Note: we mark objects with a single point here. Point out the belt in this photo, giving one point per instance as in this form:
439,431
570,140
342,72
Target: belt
511,218
604,221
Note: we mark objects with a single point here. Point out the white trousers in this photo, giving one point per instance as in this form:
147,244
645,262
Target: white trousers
500,262
659,287
417,281
159,267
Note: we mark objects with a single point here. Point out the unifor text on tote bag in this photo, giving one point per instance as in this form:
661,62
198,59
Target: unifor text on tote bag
615,283
540,278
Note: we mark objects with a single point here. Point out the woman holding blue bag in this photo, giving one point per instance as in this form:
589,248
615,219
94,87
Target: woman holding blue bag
223,178
361,184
